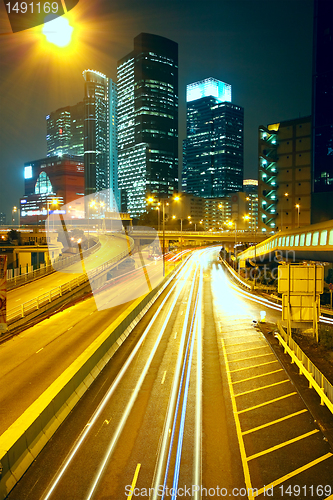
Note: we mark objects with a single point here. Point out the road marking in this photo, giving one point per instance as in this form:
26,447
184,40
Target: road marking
294,473
69,328
263,387
135,478
250,357
281,445
245,343
257,376
238,426
253,366
250,349
163,378
175,336
240,336
274,422
39,350
268,402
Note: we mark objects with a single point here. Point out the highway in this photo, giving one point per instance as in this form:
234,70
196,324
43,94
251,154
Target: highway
195,398
33,359
111,246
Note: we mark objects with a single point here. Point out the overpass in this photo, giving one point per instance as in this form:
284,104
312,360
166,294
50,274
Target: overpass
314,242
199,236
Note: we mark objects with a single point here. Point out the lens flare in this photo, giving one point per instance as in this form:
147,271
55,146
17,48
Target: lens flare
58,31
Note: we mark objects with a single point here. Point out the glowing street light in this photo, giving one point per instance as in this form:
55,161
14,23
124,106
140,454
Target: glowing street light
298,207
58,31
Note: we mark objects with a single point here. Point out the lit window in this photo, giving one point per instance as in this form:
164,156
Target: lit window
43,184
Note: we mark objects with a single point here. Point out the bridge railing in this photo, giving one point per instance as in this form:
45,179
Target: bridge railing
44,299
316,379
62,262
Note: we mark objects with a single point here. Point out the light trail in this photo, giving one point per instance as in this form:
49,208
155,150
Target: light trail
61,471
172,401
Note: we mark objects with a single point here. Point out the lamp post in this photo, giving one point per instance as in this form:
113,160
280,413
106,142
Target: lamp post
282,204
91,204
298,207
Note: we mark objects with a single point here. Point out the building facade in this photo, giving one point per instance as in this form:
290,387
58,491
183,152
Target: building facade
147,122
250,187
213,150
100,129
322,112
64,131
284,186
50,183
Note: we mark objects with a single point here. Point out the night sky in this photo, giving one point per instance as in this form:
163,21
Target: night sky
263,49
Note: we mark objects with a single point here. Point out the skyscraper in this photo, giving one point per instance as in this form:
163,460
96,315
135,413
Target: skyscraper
284,187
100,122
213,150
322,112
147,121
64,131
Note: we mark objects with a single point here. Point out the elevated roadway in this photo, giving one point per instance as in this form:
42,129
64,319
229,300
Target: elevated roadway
111,246
314,243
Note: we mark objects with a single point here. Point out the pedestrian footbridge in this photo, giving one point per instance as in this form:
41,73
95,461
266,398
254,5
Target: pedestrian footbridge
313,243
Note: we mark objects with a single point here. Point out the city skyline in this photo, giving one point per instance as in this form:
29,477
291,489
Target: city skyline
235,51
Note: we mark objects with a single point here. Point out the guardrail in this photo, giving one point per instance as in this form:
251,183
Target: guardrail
316,379
43,271
235,275
32,305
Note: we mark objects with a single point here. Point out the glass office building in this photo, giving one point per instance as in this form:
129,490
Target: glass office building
100,126
213,150
64,131
147,122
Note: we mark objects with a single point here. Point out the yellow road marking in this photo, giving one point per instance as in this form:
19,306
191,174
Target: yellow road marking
294,473
240,336
163,378
254,366
268,402
250,349
39,350
281,445
263,387
250,357
175,336
257,376
244,343
274,422
135,478
238,426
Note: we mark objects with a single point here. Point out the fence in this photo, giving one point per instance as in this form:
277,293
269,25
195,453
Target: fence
46,298
19,279
316,379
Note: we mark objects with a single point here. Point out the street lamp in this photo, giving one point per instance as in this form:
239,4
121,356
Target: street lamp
298,207
92,204
282,204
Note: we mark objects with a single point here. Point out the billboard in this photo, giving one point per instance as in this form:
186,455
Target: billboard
3,292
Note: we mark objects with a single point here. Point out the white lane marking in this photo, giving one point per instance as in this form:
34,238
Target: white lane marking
163,378
39,350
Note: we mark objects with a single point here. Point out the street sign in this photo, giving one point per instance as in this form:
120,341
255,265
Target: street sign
302,308
301,279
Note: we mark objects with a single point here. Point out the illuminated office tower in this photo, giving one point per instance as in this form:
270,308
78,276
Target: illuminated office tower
213,149
100,122
322,112
64,131
147,122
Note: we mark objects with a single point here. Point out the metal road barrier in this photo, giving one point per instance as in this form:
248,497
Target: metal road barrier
63,262
47,298
316,379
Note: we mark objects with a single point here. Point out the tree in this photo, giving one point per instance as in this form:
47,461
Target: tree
14,236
